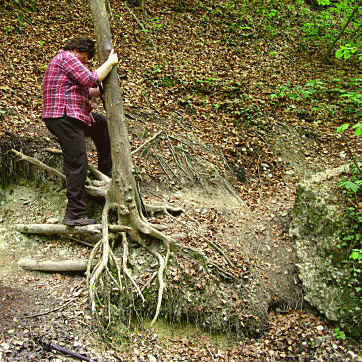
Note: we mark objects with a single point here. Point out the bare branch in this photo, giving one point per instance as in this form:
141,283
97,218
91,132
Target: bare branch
38,163
146,143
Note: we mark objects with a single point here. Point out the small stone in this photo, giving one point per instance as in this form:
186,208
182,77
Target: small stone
320,328
343,155
352,354
5,347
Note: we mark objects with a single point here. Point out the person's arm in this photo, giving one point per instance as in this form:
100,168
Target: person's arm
93,92
107,66
82,75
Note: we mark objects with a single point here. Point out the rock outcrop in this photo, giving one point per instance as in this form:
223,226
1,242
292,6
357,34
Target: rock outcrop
316,224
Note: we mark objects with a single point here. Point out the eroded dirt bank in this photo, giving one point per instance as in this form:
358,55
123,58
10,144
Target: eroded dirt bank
52,308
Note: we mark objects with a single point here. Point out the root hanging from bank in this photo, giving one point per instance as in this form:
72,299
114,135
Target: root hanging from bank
125,269
102,258
107,272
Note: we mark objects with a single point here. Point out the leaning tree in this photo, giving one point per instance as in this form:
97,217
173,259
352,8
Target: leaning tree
121,192
122,200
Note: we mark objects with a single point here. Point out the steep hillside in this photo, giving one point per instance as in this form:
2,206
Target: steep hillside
221,85
188,69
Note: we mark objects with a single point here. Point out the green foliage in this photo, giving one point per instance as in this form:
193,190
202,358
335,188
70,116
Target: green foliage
324,97
339,334
238,20
346,51
299,93
337,21
20,10
350,185
253,19
153,25
21,4
350,258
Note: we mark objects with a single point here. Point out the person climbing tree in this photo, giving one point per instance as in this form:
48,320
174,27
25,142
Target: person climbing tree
67,87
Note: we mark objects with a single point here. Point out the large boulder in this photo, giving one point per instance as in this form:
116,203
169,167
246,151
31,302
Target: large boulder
316,224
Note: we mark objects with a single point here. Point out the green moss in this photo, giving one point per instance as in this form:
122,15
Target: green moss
194,296
324,234
182,330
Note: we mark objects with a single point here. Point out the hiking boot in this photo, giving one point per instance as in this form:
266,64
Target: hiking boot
81,221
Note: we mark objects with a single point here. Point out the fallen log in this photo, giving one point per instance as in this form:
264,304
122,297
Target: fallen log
49,229
76,265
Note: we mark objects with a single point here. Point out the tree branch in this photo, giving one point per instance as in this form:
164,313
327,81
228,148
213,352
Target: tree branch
38,163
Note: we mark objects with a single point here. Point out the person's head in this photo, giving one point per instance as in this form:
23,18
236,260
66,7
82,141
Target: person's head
84,48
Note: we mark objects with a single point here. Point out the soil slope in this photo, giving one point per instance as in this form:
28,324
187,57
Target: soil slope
210,97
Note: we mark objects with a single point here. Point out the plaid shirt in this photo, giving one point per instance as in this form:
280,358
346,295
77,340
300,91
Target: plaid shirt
66,86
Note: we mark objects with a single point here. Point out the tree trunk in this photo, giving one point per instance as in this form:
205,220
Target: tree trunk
122,193
122,176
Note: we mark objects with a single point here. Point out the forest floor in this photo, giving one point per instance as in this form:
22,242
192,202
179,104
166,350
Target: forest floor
38,309
211,99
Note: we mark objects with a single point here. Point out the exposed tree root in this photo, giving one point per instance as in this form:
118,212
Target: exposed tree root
166,209
103,267
162,266
125,269
53,266
94,275
38,163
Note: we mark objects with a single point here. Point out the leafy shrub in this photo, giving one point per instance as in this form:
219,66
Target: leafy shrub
351,245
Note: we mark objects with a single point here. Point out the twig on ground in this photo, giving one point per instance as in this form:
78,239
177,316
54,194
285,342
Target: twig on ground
194,173
53,150
177,161
190,143
163,167
213,245
80,241
51,310
132,116
52,347
146,142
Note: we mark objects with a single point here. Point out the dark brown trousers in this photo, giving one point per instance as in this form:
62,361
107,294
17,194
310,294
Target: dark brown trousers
71,134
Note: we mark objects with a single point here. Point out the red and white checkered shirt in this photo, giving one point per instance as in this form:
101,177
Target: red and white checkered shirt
66,86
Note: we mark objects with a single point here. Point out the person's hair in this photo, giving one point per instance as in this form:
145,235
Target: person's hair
83,45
